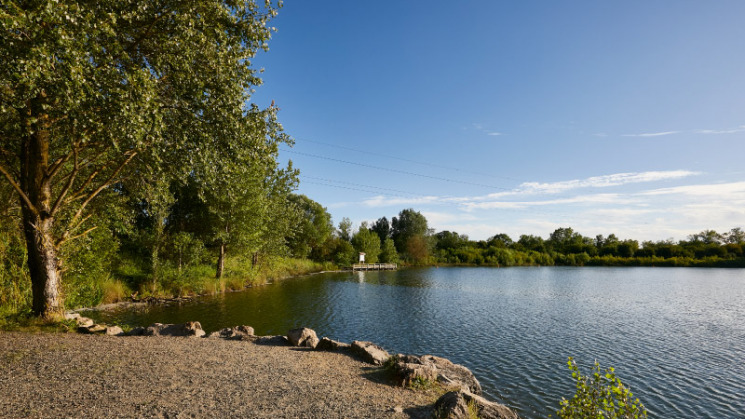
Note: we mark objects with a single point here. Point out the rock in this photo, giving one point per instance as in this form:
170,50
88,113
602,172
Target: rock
326,344
464,404
95,328
429,367
237,333
303,337
114,331
244,330
84,321
398,409
370,352
409,373
271,340
71,316
452,405
137,331
185,329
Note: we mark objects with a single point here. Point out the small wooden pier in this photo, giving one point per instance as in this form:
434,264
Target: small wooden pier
374,267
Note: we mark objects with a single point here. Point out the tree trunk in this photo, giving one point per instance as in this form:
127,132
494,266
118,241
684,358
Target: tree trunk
43,266
220,261
255,259
38,222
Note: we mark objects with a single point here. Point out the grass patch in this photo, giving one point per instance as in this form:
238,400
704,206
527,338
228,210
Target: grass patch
26,322
114,291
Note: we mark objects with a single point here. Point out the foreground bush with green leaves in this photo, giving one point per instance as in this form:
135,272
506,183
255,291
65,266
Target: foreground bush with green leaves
600,395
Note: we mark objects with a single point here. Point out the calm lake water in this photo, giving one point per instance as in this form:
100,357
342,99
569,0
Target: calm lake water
676,336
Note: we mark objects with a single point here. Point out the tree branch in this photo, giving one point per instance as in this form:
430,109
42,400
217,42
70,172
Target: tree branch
103,186
57,164
69,183
18,189
65,238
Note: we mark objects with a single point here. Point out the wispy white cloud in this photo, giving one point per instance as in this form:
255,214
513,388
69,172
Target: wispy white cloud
507,199
483,129
605,181
741,128
580,199
652,134
714,190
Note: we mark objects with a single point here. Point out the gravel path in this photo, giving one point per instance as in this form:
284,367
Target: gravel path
71,375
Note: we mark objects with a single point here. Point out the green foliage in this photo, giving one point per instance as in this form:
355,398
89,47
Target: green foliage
368,242
311,229
421,383
407,225
88,264
344,253
388,252
600,395
105,94
345,229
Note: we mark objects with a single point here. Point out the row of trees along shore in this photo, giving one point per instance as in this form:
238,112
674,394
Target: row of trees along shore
407,238
132,161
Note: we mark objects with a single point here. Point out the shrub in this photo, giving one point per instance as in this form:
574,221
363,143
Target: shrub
600,395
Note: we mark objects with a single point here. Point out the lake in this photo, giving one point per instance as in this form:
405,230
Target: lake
676,336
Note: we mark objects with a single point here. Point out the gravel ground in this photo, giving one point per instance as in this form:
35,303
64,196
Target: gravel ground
84,376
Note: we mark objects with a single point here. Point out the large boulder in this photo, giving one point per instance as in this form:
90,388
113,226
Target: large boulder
464,404
235,333
327,344
303,337
192,329
71,315
92,329
137,331
84,321
271,340
114,331
370,352
429,367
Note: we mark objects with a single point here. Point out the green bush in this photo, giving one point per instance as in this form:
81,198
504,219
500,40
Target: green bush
600,395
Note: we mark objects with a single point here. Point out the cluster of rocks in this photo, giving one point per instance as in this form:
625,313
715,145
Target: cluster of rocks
461,401
88,326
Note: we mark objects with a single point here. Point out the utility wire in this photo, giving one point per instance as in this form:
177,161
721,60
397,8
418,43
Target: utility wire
439,201
404,172
439,166
361,185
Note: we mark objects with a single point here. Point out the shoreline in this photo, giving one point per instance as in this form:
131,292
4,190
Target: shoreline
176,370
75,375
147,301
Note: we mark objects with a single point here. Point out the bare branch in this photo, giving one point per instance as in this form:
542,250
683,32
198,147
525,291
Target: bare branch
18,189
103,186
57,164
79,193
69,183
65,239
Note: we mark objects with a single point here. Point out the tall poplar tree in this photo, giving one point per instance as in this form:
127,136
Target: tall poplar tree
91,91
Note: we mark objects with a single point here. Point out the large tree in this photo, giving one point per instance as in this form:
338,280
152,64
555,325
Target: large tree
408,225
92,91
312,227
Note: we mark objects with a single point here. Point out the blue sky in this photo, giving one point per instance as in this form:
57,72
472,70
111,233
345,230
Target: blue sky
517,117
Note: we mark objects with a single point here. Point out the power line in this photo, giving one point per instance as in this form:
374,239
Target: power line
361,185
431,199
404,172
439,166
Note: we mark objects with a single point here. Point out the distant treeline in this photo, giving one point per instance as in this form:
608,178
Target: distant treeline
407,238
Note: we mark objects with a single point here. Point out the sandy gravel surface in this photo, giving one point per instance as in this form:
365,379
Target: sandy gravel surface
85,376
